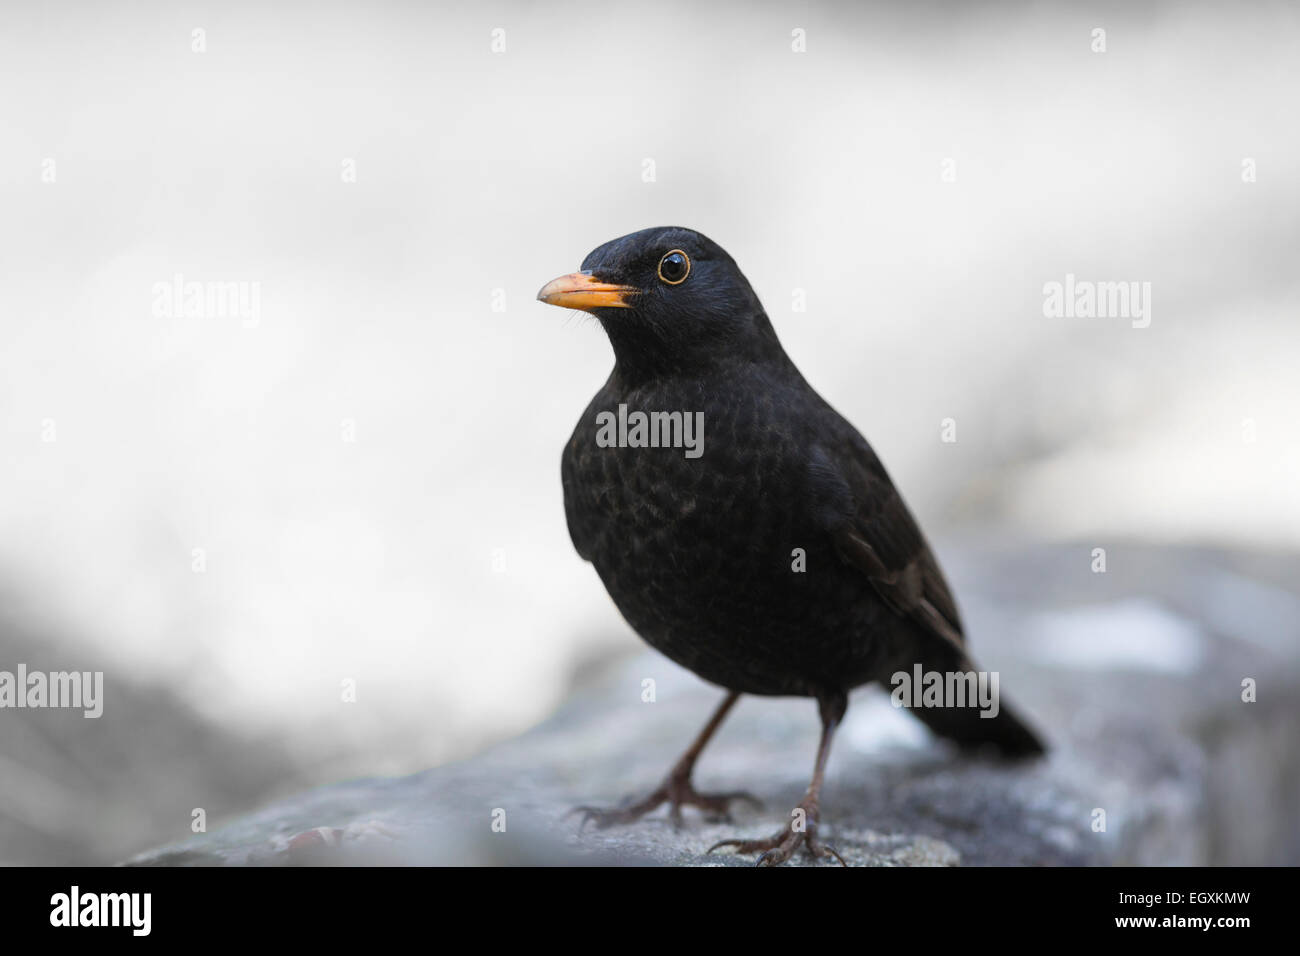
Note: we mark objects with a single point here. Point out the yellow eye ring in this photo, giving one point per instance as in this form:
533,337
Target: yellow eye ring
674,266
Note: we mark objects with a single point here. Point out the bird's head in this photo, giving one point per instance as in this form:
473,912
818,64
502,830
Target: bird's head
670,299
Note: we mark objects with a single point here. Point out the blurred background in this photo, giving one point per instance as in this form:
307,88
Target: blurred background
231,515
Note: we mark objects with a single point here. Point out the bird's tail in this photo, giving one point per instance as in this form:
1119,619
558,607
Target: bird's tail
966,719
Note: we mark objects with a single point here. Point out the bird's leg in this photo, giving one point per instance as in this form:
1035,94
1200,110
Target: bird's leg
806,817
676,790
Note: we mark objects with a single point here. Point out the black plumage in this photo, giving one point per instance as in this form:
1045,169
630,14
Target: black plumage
700,553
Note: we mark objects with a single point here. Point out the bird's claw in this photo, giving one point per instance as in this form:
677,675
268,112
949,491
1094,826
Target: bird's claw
677,792
775,850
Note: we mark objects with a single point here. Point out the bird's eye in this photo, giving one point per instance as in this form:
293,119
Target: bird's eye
674,267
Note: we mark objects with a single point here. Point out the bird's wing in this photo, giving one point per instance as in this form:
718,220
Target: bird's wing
873,531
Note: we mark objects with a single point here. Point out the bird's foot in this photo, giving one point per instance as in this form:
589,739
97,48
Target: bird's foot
800,831
677,792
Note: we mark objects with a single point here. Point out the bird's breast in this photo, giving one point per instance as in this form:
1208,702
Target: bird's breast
715,559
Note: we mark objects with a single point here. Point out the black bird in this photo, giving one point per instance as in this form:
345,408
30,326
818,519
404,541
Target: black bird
774,557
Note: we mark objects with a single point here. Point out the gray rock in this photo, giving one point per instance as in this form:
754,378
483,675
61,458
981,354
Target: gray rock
1135,677
78,792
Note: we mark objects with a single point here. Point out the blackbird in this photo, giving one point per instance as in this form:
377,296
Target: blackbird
765,548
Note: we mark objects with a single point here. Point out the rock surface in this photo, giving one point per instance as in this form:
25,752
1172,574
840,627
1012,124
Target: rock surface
77,792
1134,676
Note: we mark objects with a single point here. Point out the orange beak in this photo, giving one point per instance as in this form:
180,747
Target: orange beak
578,290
